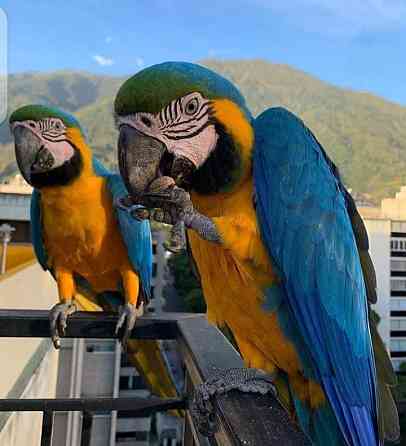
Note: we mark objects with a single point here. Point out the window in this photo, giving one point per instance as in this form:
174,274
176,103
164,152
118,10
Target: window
398,305
100,347
154,269
398,265
398,285
398,324
132,382
154,248
398,345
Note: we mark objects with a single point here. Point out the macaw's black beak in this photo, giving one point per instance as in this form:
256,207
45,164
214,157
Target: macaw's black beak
143,158
31,155
139,157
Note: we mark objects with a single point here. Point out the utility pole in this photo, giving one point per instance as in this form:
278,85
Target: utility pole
5,231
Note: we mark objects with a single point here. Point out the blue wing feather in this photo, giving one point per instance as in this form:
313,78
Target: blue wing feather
307,232
136,234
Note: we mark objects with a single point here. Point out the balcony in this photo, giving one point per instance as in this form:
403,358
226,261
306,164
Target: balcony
243,419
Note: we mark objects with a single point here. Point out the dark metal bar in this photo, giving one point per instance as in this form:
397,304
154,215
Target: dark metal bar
46,434
138,406
243,418
87,422
35,323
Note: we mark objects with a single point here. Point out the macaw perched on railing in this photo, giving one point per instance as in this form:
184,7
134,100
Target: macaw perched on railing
98,255
279,246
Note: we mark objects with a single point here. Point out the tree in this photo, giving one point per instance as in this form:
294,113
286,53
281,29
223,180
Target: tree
186,284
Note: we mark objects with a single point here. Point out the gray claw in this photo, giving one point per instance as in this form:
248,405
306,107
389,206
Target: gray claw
128,316
58,319
245,380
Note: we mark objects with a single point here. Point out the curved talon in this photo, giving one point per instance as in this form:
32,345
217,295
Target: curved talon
245,380
126,321
58,319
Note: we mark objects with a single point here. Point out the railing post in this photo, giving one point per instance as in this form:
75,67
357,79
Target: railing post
47,424
87,422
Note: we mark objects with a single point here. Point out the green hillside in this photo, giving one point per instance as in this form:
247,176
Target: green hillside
365,135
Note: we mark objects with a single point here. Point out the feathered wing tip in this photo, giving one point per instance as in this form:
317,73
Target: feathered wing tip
320,425
388,419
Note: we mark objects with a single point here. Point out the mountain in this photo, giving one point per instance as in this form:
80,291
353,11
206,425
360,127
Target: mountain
365,135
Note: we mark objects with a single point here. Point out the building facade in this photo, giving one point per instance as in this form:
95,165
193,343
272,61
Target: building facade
386,226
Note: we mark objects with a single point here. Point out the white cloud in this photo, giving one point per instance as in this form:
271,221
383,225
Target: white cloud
348,17
103,61
108,39
139,62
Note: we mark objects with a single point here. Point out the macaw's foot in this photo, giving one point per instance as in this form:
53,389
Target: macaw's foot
58,318
245,380
126,321
176,242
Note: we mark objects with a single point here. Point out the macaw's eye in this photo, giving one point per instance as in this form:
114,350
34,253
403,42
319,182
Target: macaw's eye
32,125
58,125
146,121
192,106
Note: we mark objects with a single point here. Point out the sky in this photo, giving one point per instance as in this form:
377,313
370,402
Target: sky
358,44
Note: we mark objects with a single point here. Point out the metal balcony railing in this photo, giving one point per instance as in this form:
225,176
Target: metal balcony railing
243,419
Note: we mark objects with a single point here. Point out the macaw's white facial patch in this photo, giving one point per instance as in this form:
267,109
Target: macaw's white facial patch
184,126
197,148
62,151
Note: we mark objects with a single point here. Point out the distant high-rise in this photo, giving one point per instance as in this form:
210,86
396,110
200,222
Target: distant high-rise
386,226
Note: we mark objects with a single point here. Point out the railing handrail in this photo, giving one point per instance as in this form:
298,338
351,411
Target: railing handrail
94,405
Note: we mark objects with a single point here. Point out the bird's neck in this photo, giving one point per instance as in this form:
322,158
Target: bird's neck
227,203
82,188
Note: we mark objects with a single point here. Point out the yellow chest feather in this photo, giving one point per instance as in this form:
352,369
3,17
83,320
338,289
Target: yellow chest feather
80,230
234,275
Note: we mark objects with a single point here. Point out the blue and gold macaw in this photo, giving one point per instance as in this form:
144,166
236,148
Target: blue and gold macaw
279,246
98,255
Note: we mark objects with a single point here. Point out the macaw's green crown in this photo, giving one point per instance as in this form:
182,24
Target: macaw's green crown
38,112
153,88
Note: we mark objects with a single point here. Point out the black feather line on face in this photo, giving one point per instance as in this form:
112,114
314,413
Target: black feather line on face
62,175
222,169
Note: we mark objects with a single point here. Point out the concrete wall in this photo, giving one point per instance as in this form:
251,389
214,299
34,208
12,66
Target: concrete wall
379,232
24,428
28,366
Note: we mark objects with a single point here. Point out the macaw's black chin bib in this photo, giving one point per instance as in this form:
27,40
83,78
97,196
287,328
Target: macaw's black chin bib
222,169
61,175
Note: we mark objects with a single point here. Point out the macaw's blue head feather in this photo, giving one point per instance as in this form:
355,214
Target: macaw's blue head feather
153,88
